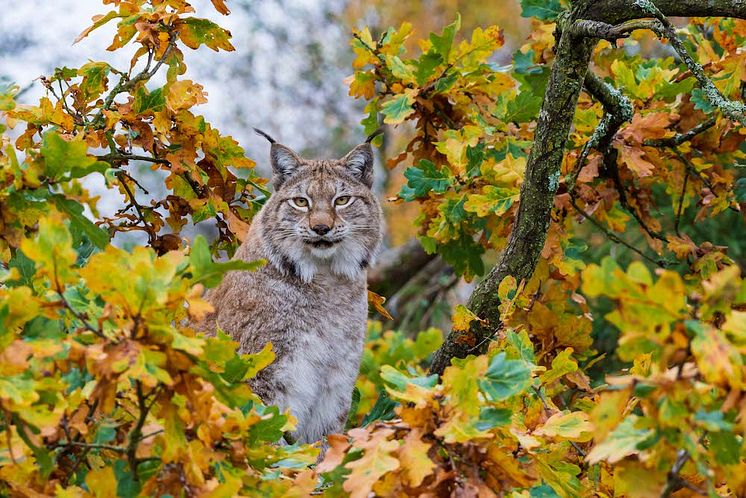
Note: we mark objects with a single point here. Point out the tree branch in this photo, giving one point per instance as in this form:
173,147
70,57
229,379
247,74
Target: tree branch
396,266
612,32
619,11
736,111
618,109
680,138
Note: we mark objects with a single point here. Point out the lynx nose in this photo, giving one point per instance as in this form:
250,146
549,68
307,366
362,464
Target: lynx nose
321,229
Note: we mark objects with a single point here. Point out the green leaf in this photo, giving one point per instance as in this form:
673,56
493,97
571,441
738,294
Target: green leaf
7,96
105,434
209,273
739,190
194,32
701,102
426,65
493,417
148,101
94,79
127,485
397,109
505,378
623,441
524,107
522,344
26,269
546,10
399,380
79,224
495,200
425,178
269,428
64,160
523,62
726,447
442,43
475,157
353,405
543,491
464,254
382,410
713,421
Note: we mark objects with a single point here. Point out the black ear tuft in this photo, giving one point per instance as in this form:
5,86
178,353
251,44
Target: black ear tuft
373,135
359,163
260,132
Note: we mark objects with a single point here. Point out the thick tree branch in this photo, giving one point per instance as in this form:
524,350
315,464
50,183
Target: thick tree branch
612,32
619,11
618,109
396,266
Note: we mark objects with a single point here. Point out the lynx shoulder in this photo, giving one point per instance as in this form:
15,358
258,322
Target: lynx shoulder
319,232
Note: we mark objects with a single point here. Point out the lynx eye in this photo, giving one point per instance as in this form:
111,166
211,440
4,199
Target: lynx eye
342,201
299,202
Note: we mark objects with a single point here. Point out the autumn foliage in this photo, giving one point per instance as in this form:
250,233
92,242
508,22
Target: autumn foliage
105,392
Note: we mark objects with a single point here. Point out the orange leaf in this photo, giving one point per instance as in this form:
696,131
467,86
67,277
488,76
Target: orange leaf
377,302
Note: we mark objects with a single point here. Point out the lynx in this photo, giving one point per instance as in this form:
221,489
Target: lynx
319,232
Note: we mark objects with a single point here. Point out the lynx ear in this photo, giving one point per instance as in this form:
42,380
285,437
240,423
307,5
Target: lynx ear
359,163
284,161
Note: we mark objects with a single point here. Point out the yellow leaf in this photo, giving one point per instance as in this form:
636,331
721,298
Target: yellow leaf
608,412
633,480
462,318
567,425
52,249
102,482
184,94
414,458
377,460
717,358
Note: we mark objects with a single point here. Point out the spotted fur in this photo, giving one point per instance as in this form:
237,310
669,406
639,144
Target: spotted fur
310,300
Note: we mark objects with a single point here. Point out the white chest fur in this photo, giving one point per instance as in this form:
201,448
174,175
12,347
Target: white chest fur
318,377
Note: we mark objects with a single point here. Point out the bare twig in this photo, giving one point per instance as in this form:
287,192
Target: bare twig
118,157
618,109
613,237
675,481
610,163
135,435
681,203
680,138
90,446
133,202
126,85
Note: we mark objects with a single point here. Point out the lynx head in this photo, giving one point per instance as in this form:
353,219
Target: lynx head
323,215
